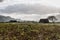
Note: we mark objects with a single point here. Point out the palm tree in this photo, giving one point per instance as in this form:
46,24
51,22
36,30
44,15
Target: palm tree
52,18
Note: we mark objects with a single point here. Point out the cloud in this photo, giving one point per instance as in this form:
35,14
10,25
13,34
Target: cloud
29,9
29,12
1,0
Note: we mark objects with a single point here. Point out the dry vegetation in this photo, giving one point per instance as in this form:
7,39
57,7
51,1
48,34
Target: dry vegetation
31,31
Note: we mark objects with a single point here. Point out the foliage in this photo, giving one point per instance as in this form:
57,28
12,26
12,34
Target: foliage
29,31
52,18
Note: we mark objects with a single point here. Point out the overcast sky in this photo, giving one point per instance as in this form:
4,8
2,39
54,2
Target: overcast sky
30,9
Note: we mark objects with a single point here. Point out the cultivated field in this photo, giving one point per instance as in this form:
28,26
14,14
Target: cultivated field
29,31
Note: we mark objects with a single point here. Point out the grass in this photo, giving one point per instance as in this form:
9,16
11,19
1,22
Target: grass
29,31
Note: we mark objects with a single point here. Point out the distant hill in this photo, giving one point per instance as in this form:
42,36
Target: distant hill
5,18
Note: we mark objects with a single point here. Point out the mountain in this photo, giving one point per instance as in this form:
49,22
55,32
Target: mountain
5,18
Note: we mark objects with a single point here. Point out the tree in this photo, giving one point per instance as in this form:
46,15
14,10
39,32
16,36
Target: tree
52,18
13,21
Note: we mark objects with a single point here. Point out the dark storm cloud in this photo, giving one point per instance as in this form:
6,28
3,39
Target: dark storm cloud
1,0
29,9
16,8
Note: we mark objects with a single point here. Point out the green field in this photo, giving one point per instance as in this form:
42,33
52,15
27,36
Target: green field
29,31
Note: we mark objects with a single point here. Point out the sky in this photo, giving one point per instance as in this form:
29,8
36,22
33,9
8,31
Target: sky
29,9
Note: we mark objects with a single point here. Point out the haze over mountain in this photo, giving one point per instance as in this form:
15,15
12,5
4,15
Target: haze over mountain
5,18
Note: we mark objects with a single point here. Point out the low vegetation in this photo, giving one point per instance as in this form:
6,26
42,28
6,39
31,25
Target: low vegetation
29,31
